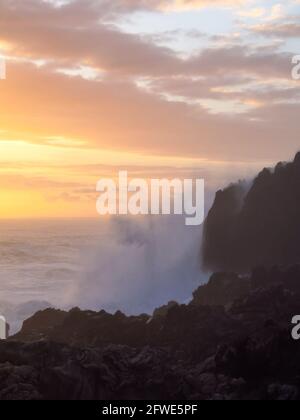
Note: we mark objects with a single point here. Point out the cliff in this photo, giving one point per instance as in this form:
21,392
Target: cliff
260,226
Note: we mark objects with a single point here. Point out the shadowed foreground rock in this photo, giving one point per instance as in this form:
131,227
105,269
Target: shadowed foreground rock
223,345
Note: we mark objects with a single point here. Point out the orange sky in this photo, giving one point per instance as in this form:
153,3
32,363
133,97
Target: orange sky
91,90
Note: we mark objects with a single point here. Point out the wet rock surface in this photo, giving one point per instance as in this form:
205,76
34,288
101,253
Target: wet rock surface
233,341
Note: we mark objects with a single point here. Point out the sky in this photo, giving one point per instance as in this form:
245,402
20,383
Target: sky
155,87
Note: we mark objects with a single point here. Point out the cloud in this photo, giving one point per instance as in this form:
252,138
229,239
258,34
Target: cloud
277,23
283,30
166,5
178,5
107,49
277,12
227,88
257,12
73,35
146,99
51,34
118,115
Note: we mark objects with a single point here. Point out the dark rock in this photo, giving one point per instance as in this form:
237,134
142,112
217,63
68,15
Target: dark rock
232,342
259,227
163,310
221,290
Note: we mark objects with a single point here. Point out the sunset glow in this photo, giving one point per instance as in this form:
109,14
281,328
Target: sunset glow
156,86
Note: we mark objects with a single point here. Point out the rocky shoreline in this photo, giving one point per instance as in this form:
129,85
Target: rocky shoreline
232,342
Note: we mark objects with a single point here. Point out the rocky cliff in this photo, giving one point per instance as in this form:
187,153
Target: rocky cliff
260,226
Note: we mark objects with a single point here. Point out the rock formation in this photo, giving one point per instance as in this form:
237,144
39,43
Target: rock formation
236,345
261,226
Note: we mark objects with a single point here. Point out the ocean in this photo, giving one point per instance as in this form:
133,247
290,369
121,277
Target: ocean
132,265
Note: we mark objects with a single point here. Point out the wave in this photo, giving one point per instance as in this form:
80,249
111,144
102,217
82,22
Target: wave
140,264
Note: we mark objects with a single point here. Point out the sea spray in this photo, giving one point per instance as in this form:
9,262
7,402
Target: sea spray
139,265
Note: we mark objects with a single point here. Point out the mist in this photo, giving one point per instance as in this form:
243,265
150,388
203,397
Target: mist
139,265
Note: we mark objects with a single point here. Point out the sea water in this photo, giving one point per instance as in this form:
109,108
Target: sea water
132,265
